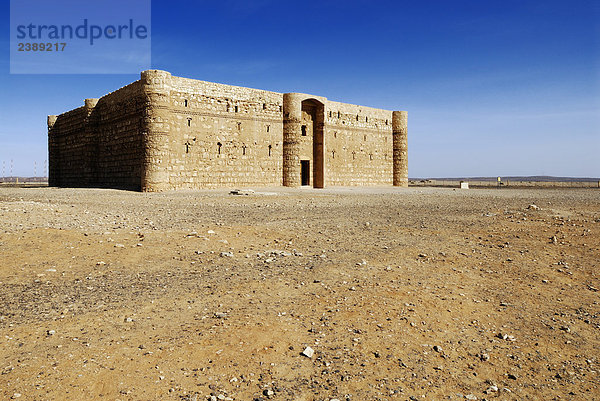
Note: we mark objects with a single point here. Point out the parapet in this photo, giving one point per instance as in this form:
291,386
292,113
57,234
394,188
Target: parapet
399,121
91,103
157,78
51,121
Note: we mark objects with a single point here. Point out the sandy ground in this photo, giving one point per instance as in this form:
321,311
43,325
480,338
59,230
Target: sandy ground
405,294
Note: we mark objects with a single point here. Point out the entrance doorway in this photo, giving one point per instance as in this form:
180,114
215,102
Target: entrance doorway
313,115
305,171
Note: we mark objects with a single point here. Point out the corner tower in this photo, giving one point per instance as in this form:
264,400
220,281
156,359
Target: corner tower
156,88
400,145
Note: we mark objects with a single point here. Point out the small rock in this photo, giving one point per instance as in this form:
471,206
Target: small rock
506,337
470,397
533,207
226,254
308,352
50,332
437,348
491,389
242,192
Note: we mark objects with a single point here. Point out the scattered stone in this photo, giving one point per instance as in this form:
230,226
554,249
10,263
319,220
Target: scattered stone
566,329
268,392
437,348
533,207
484,357
308,352
241,192
506,337
471,397
220,315
226,254
491,389
50,332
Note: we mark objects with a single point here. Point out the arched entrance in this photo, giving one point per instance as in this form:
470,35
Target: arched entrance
303,140
312,130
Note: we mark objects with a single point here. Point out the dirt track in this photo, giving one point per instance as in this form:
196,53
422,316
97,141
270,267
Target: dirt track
415,293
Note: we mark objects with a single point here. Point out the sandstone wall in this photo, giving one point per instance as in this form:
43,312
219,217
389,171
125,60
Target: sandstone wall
69,150
222,135
100,144
358,145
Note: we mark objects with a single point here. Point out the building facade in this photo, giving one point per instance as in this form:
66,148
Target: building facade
163,132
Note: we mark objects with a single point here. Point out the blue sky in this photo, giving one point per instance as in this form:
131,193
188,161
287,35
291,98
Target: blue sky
491,87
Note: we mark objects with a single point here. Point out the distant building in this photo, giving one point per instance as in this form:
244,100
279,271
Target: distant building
164,132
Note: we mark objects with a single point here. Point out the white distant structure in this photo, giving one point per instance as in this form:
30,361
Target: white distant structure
464,185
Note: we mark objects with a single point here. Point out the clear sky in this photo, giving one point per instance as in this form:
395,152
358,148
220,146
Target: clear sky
491,87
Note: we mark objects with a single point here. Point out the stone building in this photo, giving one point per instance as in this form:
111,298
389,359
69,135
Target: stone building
163,132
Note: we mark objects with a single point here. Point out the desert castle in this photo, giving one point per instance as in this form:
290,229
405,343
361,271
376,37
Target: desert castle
163,132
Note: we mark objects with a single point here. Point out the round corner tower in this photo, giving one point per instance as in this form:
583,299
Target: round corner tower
156,86
400,144
292,122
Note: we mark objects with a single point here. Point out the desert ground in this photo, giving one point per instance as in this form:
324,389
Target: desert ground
335,294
